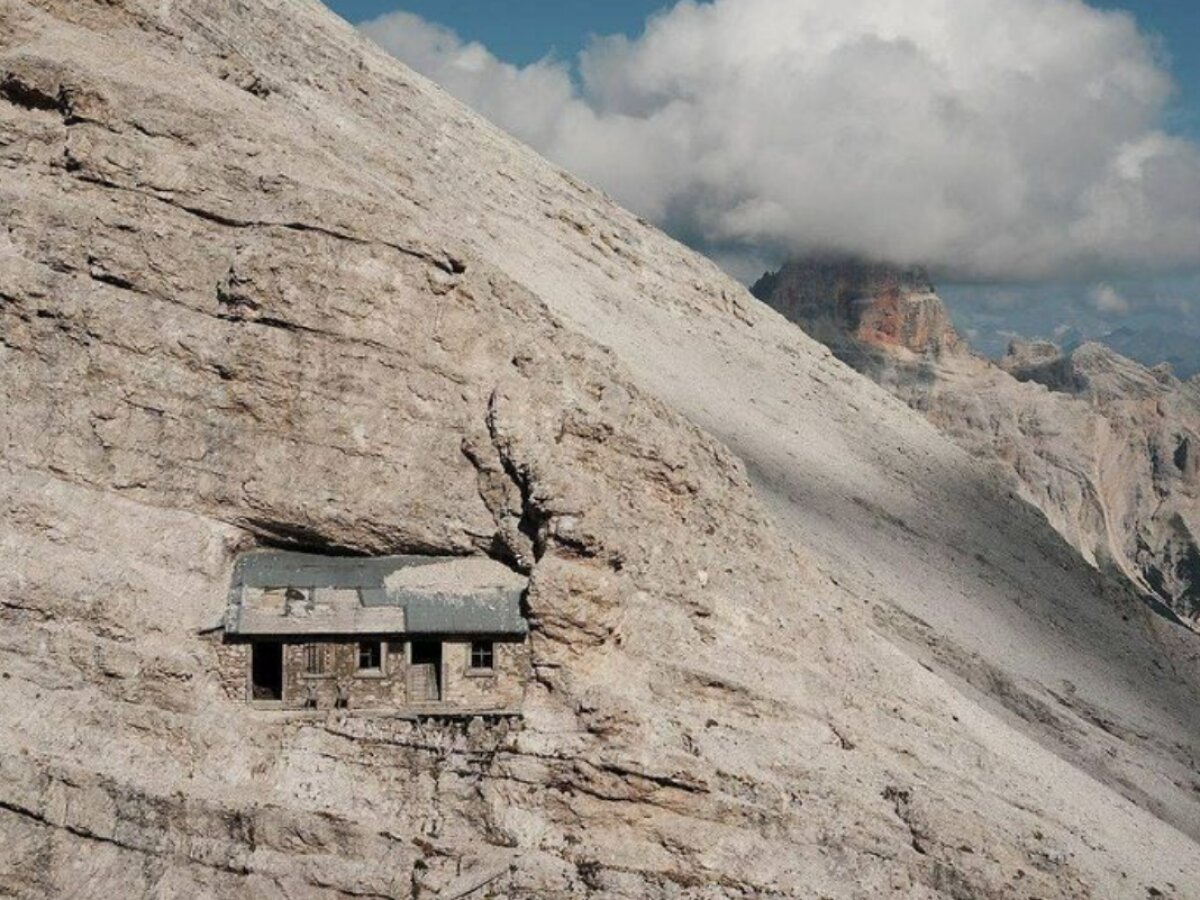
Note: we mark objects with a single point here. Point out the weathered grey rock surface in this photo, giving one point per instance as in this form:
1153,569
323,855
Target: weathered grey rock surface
1104,446
260,283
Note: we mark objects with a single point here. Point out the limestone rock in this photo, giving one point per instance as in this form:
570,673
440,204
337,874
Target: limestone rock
263,285
843,301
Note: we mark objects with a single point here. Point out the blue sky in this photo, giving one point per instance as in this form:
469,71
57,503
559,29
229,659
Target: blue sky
523,31
518,31
1177,23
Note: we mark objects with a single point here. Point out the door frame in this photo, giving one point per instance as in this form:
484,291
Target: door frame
282,674
439,680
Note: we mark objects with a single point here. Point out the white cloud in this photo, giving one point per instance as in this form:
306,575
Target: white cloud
1108,300
1014,139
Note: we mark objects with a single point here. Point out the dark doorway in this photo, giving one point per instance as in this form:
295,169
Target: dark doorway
425,671
266,671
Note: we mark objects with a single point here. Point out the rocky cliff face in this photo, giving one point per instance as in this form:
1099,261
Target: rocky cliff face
264,286
1145,424
1101,444
844,301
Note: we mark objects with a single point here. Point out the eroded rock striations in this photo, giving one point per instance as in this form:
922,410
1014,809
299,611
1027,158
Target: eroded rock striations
263,286
1104,446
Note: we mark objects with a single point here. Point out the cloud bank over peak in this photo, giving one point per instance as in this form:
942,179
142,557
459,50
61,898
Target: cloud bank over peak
1021,139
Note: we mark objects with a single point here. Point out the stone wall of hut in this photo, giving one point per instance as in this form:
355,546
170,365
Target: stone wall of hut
461,686
233,669
503,688
365,690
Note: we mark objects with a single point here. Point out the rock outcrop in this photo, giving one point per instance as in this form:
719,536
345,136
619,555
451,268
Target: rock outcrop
262,285
844,302
1101,444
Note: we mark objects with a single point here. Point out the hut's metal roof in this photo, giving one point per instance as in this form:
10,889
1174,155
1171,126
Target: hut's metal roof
285,593
495,613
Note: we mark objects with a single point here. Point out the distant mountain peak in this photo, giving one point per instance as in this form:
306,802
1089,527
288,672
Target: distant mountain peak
1153,346
873,304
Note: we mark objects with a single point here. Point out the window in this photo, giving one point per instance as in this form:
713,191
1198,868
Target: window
370,655
314,659
483,655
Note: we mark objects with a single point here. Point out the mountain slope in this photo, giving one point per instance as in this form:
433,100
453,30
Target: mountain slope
263,284
1100,444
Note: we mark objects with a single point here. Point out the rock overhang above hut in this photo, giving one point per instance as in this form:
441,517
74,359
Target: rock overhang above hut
284,593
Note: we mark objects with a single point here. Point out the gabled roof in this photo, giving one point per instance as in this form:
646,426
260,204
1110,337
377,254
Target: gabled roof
282,593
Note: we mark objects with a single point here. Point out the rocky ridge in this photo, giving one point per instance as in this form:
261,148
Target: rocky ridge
1152,345
263,285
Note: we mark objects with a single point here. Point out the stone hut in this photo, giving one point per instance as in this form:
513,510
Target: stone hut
418,633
